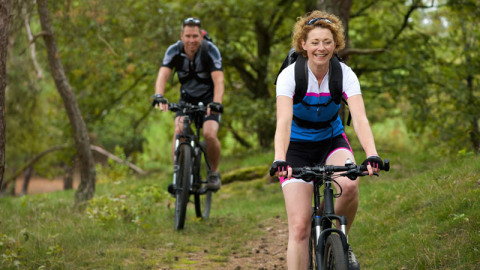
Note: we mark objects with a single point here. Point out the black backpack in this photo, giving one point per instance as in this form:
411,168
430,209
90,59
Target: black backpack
203,56
335,85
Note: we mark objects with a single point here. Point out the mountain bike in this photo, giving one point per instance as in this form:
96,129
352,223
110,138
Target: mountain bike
188,163
328,245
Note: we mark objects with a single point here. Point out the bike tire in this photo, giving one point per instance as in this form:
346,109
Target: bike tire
334,257
313,259
202,201
182,185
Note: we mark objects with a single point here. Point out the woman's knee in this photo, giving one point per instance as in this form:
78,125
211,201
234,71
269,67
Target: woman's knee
300,230
350,190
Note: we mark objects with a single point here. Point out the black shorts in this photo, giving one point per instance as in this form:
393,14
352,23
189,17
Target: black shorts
302,154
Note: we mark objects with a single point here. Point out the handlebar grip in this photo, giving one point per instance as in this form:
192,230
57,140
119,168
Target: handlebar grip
363,168
174,107
386,165
273,169
296,171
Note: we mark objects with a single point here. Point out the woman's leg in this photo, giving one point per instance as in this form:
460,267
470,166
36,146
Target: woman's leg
347,204
298,202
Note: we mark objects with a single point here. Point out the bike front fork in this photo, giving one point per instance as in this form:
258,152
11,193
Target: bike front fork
319,221
176,167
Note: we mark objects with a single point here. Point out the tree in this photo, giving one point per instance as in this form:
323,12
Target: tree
250,54
4,23
455,104
86,188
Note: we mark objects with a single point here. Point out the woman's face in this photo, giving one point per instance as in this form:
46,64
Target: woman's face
319,46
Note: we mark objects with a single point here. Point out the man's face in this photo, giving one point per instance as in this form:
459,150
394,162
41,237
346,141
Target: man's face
192,38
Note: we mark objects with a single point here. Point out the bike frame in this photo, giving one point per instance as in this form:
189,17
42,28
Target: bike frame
326,218
322,235
188,137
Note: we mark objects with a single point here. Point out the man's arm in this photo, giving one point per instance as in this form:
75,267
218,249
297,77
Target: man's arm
218,86
163,75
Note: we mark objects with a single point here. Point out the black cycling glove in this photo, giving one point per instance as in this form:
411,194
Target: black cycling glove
374,161
216,107
279,166
157,99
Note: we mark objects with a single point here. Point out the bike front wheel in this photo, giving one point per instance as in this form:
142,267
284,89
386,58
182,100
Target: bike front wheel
334,257
182,183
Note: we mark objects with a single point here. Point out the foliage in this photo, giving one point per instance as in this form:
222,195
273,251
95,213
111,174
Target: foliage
245,174
131,207
428,73
113,171
10,251
427,82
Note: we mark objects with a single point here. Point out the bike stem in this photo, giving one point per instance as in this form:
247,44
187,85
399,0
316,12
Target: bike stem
329,209
328,199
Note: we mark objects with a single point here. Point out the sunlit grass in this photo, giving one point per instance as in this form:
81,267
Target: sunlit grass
423,214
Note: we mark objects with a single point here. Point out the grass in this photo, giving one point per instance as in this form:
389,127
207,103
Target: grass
424,214
129,225
426,221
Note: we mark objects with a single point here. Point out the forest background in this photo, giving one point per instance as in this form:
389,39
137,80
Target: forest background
79,75
416,60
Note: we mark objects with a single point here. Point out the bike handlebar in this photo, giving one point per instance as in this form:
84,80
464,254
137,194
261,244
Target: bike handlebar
187,107
350,170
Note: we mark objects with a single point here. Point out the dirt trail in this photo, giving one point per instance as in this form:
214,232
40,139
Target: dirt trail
267,252
39,185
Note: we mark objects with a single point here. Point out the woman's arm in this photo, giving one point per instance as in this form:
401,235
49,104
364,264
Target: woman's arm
284,126
361,125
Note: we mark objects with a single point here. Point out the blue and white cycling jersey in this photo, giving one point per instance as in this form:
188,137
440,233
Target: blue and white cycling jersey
316,94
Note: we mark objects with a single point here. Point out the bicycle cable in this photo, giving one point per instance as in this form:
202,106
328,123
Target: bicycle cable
340,187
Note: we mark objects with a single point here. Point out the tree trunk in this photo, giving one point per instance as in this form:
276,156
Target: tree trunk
68,169
4,23
26,180
341,8
67,177
86,188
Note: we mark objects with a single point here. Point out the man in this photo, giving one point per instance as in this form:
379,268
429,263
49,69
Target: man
198,64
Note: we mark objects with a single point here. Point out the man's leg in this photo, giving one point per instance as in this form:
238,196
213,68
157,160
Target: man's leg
210,131
178,130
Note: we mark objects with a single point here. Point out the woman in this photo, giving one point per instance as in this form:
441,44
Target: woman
317,36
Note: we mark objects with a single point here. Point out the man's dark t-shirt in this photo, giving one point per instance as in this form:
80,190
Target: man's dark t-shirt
195,76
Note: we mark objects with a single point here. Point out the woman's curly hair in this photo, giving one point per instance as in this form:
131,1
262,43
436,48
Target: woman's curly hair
325,20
